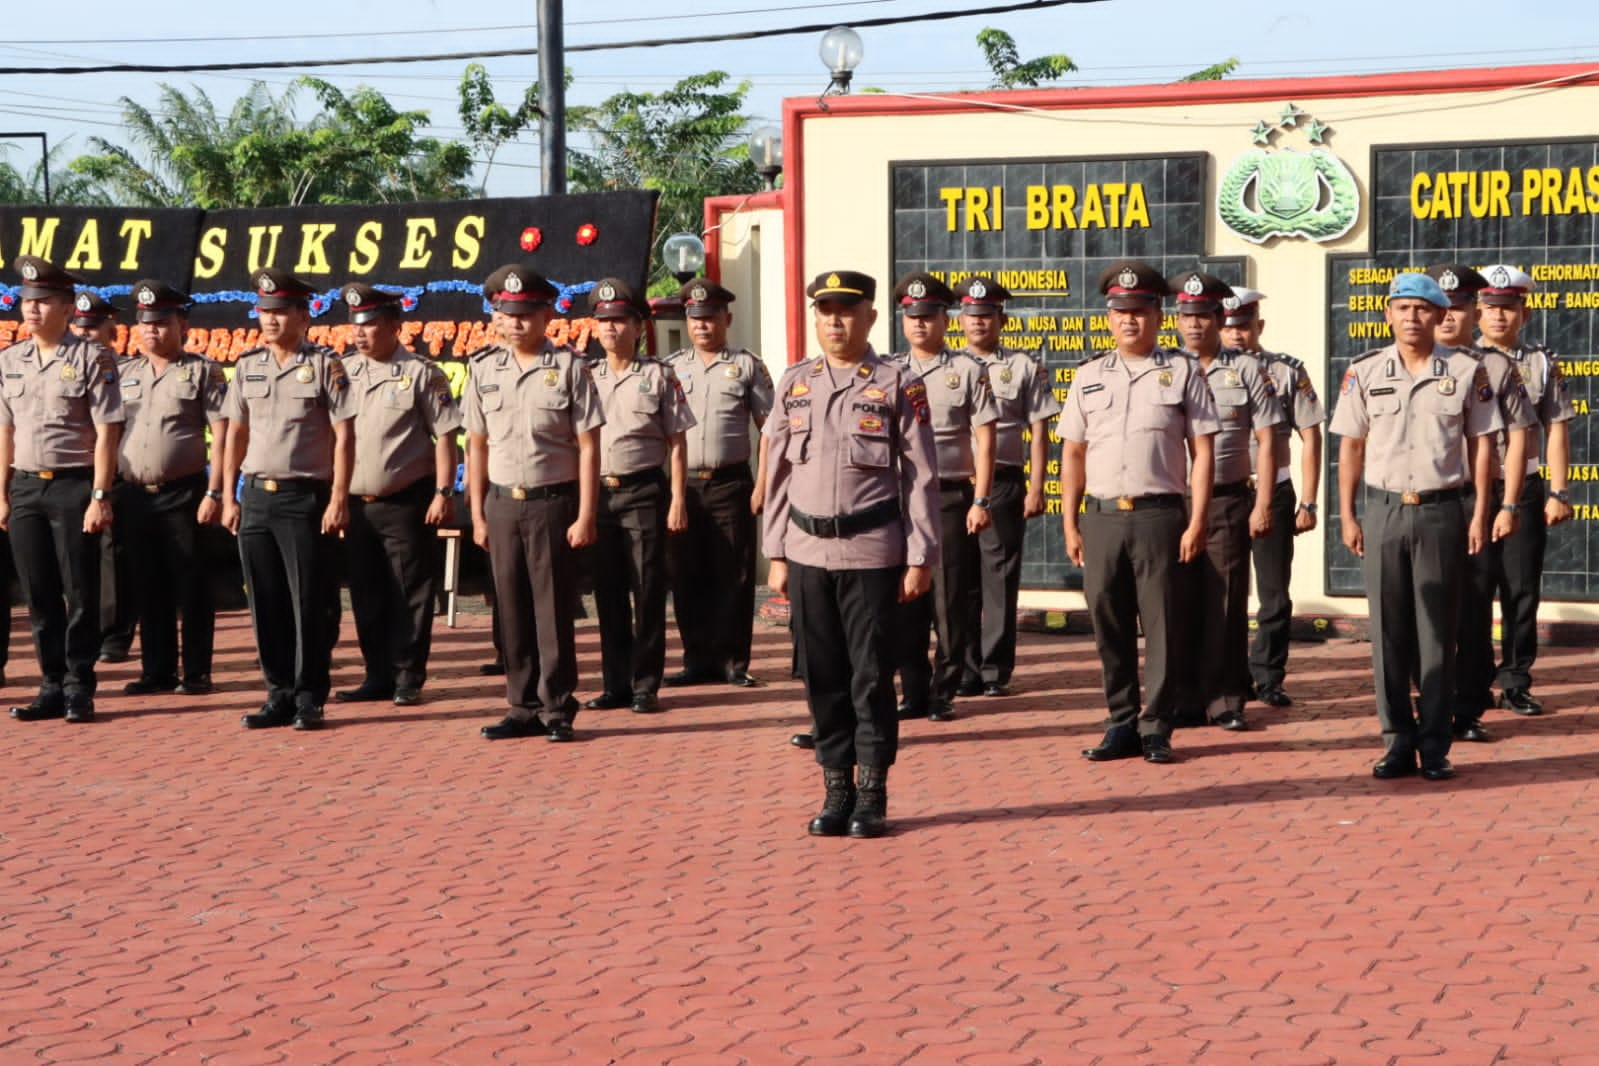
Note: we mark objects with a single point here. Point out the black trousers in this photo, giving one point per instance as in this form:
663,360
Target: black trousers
393,580
951,608
1520,587
713,576
1414,567
1274,565
58,565
119,593
629,562
1215,627
1130,578
841,622
534,582
289,574
159,535
6,569
999,576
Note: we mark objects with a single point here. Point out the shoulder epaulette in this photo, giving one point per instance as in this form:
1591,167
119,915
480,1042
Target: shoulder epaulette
1284,358
480,352
1364,355
257,350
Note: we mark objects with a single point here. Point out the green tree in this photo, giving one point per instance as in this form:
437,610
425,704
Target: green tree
687,142
1216,72
489,124
1010,72
18,187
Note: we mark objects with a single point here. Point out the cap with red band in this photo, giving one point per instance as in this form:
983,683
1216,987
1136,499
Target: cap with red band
1131,284
1506,286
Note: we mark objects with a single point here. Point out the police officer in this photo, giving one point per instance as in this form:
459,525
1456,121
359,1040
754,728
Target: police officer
167,492
60,421
1136,418
851,528
1217,656
713,566
403,487
1408,415
1291,514
646,415
289,433
533,420
1474,654
1541,503
1026,404
963,415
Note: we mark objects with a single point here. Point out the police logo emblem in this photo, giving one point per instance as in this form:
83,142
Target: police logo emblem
1164,377
607,291
1499,278
551,378
644,386
145,296
832,281
699,294
305,375
30,272
1446,386
1004,375
1194,286
978,290
1448,281
513,282
1230,378
917,290
952,380
264,283
732,373
84,302
352,296
69,373
404,382
1230,303
184,374
1127,279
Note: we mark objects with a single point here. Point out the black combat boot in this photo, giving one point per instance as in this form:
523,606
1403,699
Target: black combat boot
871,804
834,817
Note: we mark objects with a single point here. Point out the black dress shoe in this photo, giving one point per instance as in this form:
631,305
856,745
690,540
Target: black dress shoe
646,703
198,685
803,740
509,728
366,692
1391,766
405,696
1438,769
1472,731
609,701
941,711
494,669
688,677
994,688
45,706
113,655
1157,749
742,679
559,733
1520,701
1118,744
1272,696
80,709
969,688
270,716
308,718
1232,721
146,685
906,712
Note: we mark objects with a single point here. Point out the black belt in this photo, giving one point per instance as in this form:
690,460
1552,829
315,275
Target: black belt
954,484
154,487
543,492
1010,473
1419,499
71,473
413,489
832,526
729,472
1232,488
622,481
285,484
1111,504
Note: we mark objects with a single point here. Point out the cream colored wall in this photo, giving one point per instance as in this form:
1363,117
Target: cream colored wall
847,203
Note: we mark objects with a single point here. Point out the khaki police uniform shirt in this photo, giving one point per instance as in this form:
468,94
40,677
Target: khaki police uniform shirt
1022,396
959,398
532,418
168,414
1415,427
724,397
843,440
1515,406
1301,407
290,410
1246,400
643,407
402,406
1547,391
54,404
1137,415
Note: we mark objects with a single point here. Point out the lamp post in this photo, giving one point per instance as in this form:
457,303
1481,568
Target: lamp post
684,255
766,152
842,52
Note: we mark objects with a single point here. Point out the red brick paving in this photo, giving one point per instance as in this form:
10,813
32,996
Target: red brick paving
397,890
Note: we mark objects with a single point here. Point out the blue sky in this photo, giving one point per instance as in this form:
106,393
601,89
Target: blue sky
1113,42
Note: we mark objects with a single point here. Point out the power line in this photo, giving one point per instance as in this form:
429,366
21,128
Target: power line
501,53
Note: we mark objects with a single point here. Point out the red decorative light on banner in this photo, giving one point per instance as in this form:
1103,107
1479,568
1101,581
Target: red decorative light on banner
587,234
531,239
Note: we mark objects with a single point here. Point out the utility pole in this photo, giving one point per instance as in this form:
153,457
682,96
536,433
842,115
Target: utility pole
552,86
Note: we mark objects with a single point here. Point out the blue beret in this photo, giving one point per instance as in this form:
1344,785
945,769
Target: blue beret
1417,286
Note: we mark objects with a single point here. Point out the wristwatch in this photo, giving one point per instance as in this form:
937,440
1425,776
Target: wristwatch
214,494
100,494
1308,507
1508,507
980,501
447,493
1564,496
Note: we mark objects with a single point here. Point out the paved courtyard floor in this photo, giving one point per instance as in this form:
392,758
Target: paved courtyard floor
395,889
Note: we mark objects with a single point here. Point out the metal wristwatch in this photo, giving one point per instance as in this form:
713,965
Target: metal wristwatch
447,493
100,494
1309,507
214,494
1563,496
980,501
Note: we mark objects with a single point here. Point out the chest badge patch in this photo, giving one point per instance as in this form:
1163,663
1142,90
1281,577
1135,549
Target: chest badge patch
305,375
404,382
872,392
1446,386
551,378
731,373
799,389
1004,375
68,373
952,380
1164,377
870,424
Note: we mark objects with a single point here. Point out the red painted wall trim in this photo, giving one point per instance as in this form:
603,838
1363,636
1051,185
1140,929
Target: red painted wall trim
719,207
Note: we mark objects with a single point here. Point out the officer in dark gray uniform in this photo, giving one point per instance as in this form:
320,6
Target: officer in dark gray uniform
1136,420
167,492
1026,404
640,503
963,416
290,434
1542,503
1408,415
1217,652
1291,513
713,564
533,420
402,488
60,421
851,529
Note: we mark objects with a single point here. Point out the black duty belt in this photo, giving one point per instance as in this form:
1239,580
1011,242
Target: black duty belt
1107,504
729,472
71,473
832,526
415,488
623,481
543,492
1421,499
1010,473
1233,488
285,484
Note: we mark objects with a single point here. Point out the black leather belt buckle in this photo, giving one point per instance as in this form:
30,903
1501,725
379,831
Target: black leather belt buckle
1410,499
151,489
610,481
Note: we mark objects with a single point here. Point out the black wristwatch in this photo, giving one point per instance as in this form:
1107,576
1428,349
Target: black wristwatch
980,501
1308,507
214,494
1564,496
100,494
447,493
1508,507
